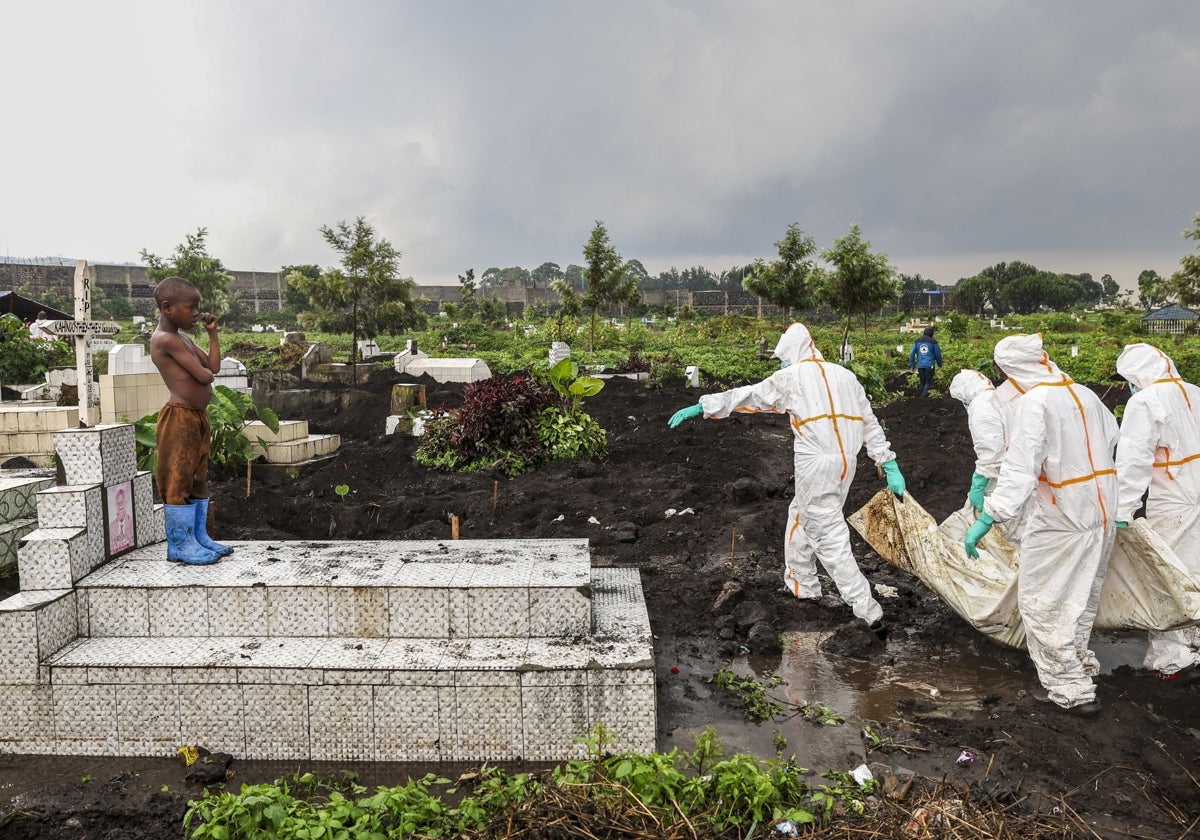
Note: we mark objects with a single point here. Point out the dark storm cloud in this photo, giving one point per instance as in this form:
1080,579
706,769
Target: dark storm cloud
477,134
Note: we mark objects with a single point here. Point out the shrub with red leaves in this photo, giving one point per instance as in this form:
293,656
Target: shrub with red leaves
496,427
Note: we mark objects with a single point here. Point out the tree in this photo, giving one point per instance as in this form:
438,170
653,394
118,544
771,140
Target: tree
788,282
860,282
1152,289
1186,281
193,263
574,277
608,279
1111,290
494,278
366,295
972,295
568,300
546,273
293,297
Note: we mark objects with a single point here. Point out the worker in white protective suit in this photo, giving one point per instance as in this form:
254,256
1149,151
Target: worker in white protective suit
1060,453
1159,450
988,418
986,421
831,419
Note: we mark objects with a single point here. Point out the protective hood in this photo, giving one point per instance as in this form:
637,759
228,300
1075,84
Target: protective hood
968,384
1022,358
1143,365
796,345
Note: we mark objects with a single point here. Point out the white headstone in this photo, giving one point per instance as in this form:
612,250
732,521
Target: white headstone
692,372
559,350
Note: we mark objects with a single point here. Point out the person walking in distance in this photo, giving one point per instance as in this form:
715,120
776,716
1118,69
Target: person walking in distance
925,354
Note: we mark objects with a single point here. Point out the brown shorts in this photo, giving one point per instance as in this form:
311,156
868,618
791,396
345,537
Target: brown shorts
183,447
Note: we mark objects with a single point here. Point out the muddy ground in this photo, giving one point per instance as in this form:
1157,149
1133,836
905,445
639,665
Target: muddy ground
1134,771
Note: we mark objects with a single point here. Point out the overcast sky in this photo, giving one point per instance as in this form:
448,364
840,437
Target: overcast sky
957,133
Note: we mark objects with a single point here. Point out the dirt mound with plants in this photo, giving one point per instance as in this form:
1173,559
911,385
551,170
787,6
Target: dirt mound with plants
700,511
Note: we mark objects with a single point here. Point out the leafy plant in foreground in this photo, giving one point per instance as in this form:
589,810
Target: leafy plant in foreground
704,791
229,413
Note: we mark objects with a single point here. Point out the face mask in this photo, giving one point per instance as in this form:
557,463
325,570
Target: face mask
782,365
1133,389
966,407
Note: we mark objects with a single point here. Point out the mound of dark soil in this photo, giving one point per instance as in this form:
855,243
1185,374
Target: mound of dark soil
700,511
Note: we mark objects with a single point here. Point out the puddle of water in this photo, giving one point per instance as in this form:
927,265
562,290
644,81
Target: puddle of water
955,678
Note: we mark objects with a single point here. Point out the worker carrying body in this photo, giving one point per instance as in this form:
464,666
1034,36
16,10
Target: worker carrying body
1159,450
831,419
1060,454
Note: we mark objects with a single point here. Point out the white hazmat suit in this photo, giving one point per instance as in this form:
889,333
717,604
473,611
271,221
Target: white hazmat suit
988,418
985,419
1159,450
831,419
1059,453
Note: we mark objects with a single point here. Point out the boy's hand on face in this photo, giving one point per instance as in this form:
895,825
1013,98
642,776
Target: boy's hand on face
209,320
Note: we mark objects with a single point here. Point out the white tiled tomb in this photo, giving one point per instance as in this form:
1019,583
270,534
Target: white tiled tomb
389,651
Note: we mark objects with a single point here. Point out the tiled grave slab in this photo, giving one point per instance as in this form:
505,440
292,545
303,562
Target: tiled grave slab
422,588
11,534
372,698
103,454
54,558
18,497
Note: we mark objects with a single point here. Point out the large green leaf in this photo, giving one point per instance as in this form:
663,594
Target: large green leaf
586,386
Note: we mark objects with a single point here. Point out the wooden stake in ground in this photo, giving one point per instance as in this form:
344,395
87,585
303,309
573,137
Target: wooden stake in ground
733,546
495,494
453,527
248,463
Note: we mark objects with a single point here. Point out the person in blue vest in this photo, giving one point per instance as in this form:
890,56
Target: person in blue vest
925,354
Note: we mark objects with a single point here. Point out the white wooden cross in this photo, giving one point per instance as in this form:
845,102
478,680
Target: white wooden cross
83,328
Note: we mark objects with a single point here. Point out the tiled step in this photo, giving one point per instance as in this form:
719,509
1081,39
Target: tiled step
356,698
36,419
419,589
288,430
11,534
300,450
18,496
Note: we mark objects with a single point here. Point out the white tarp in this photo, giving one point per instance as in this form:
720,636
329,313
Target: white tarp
1147,586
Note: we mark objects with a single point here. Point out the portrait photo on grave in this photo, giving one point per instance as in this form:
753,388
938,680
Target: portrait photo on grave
118,518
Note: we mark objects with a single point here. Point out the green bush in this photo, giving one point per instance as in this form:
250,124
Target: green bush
24,359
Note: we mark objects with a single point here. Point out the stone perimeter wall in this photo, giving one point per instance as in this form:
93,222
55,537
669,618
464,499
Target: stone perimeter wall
263,290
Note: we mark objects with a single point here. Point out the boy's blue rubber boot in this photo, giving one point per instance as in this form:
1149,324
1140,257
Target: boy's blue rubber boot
181,538
201,529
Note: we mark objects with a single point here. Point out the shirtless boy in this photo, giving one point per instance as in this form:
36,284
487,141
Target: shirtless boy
183,429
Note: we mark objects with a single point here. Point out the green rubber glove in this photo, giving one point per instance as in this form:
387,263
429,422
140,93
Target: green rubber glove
688,413
979,484
1121,523
976,532
895,480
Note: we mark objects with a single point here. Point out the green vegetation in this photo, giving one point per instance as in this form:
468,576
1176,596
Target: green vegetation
193,263
229,413
366,295
513,425
26,360
704,791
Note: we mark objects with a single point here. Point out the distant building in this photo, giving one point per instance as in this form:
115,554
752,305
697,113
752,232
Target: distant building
1172,318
